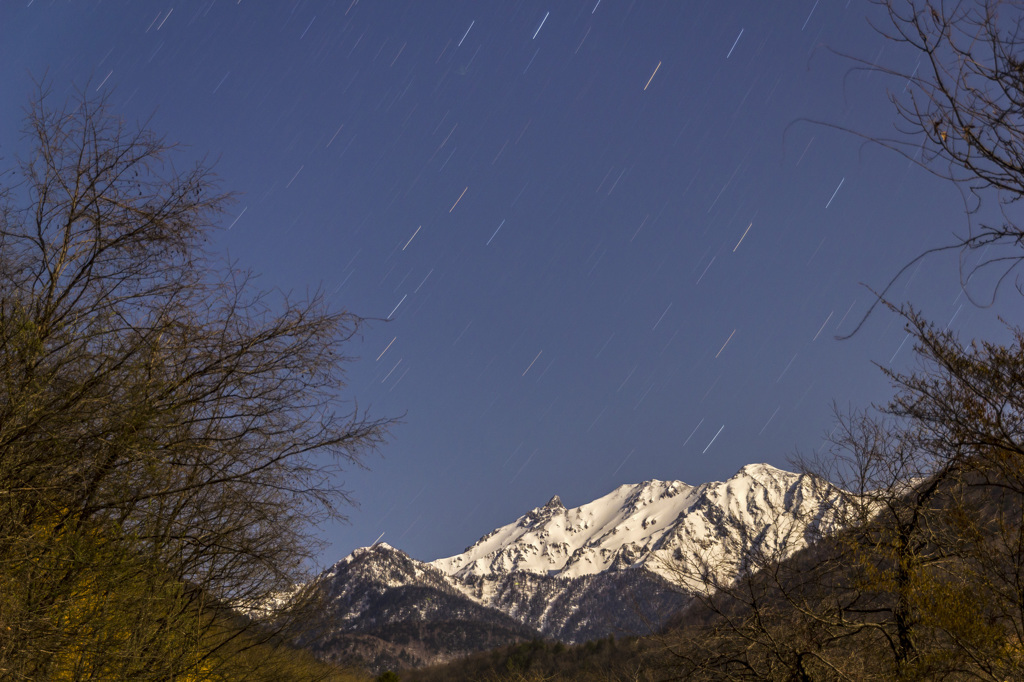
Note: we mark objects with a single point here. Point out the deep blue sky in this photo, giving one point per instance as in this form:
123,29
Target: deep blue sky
601,230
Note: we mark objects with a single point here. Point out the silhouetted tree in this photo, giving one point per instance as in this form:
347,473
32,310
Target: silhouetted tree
960,115
921,576
926,578
169,434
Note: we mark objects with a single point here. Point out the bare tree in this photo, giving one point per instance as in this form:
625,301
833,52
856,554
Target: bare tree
169,435
925,579
960,115
776,618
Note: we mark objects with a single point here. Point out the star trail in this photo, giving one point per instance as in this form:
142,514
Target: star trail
596,242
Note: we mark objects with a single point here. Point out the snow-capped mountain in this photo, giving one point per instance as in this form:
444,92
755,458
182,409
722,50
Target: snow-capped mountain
555,541
654,525
622,564
381,609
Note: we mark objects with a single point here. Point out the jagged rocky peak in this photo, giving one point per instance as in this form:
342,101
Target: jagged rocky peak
376,548
382,548
564,572
629,524
380,551
649,492
384,564
764,490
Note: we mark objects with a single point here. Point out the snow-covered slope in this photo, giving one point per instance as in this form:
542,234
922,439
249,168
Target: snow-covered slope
553,540
567,573
380,609
656,524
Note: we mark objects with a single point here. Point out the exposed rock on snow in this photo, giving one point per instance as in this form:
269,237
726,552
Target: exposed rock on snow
567,573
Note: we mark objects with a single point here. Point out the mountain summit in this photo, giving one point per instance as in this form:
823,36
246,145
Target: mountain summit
649,523
610,566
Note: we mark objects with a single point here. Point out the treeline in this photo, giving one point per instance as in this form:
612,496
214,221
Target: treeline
603,659
925,577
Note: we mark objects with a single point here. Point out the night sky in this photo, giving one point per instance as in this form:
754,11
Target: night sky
601,240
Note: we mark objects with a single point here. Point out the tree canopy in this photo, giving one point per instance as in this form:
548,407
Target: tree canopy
170,435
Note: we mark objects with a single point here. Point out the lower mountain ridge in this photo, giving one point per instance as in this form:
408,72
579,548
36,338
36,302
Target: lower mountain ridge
620,565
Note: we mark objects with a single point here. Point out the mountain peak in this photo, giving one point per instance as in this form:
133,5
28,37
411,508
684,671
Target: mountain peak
760,470
635,522
554,503
561,572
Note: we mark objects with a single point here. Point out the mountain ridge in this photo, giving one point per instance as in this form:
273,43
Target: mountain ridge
646,524
612,566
